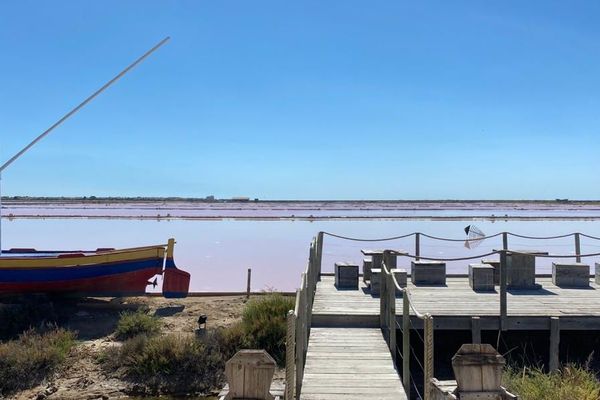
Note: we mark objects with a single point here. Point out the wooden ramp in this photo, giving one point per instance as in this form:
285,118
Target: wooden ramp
349,364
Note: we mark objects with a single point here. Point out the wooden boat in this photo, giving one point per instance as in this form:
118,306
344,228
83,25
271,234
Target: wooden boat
103,272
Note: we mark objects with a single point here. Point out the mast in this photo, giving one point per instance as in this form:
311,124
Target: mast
69,114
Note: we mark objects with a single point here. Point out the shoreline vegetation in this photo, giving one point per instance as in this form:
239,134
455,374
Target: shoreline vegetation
141,347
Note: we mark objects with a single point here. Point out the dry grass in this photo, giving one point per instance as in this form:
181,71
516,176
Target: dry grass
136,323
26,361
571,382
265,326
173,363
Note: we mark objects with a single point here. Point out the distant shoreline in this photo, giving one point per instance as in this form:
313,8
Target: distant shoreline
313,210
110,199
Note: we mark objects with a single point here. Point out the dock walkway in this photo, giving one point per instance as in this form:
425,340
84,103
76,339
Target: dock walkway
349,364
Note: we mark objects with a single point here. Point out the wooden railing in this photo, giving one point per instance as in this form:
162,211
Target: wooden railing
299,321
389,326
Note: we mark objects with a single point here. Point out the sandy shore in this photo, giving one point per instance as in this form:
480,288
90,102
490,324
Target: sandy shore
95,321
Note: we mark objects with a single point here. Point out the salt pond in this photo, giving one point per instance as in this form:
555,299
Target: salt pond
218,252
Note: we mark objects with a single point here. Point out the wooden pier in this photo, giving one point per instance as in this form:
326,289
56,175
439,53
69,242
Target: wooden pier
350,344
349,364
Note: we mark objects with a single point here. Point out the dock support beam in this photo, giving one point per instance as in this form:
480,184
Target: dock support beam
319,257
405,341
290,357
577,247
475,330
428,355
503,283
417,246
554,344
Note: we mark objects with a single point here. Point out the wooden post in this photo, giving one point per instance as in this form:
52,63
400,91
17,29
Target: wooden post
406,341
383,297
391,292
577,248
475,330
319,254
248,283
428,354
554,362
417,246
503,277
290,356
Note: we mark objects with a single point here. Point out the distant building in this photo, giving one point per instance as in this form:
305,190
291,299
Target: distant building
240,199
209,198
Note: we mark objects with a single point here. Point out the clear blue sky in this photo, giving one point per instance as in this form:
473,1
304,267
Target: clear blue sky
304,99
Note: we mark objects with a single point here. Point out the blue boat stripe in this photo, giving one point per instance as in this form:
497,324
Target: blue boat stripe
23,275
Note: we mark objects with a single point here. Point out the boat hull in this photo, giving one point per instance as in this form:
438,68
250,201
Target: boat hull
102,273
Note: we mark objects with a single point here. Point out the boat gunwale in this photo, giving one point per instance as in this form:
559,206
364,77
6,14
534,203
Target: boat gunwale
82,260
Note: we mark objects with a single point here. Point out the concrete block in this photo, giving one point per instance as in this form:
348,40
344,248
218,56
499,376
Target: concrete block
375,281
428,273
346,276
521,271
571,275
481,277
367,265
496,265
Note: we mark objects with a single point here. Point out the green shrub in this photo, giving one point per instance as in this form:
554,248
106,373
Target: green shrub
264,322
136,323
169,364
28,360
232,339
569,383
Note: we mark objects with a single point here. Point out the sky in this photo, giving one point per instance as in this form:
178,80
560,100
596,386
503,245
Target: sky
303,99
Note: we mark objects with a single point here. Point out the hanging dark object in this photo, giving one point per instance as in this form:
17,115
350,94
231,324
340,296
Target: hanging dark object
474,236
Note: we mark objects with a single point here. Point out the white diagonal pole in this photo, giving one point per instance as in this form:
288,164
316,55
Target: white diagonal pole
67,115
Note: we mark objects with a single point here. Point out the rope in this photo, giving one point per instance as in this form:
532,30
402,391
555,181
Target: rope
454,259
589,236
460,240
368,240
542,237
497,252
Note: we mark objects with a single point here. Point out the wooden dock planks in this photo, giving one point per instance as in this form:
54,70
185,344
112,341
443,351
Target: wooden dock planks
453,304
349,364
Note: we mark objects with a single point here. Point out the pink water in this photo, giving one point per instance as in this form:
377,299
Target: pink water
218,252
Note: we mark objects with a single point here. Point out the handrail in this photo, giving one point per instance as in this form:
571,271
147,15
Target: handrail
389,285
299,321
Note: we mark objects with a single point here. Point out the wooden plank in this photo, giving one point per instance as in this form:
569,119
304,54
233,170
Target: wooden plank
349,363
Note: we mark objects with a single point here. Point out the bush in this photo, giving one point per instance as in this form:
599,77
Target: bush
232,339
136,323
569,383
169,364
264,322
26,361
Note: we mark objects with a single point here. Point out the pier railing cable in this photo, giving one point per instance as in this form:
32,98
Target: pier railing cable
417,239
389,286
299,321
